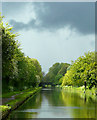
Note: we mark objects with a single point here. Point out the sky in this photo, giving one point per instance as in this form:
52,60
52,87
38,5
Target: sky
52,31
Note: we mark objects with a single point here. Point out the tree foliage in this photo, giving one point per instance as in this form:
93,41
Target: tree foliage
18,72
83,69
55,73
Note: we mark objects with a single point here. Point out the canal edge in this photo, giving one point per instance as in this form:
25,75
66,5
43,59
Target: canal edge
18,104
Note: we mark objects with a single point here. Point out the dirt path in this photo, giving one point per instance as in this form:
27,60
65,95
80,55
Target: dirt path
4,100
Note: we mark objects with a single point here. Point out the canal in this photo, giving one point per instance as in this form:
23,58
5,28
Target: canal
56,103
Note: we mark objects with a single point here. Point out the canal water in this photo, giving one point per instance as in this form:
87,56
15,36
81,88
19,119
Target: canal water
55,103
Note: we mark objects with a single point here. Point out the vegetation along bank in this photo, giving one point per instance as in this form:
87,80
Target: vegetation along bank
21,74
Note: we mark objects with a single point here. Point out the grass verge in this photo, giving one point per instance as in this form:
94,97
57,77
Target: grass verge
19,99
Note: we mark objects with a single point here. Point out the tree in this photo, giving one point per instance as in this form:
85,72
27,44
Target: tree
9,48
83,69
18,72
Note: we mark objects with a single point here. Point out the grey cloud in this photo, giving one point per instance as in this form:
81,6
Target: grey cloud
12,7
53,16
78,15
21,25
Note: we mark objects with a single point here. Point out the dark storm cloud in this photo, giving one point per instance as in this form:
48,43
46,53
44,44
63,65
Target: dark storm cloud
53,16
57,15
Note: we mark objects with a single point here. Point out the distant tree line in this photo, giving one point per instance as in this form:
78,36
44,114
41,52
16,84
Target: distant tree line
56,72
18,71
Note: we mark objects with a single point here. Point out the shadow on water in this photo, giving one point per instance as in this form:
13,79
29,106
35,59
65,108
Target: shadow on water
56,103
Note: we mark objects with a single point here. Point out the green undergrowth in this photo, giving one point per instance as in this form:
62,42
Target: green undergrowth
4,108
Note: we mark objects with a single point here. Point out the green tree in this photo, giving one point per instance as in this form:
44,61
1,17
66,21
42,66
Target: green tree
9,48
83,69
56,72
18,72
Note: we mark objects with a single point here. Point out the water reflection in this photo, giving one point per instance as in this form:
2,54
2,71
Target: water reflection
55,103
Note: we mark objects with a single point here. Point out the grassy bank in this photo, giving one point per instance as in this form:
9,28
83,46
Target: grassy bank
81,90
19,98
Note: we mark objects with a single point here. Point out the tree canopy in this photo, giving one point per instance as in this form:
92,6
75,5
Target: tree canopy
18,71
83,69
55,73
